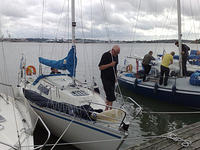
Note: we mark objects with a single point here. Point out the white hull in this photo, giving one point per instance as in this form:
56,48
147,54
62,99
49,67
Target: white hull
17,123
83,134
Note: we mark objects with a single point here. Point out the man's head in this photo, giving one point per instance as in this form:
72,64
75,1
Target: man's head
54,70
177,44
172,53
115,50
150,53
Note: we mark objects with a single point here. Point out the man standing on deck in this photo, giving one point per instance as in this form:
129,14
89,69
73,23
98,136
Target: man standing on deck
184,55
167,60
108,67
145,64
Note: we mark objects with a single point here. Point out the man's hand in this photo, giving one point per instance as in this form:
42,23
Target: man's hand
112,64
103,67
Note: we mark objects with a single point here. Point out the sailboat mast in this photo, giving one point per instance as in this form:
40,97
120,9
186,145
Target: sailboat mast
179,35
73,22
73,33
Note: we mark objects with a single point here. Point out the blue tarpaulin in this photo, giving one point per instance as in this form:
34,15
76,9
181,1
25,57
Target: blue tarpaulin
68,63
195,78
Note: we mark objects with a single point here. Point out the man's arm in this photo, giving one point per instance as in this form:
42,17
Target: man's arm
171,60
103,67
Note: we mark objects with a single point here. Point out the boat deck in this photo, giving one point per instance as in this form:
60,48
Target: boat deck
181,83
185,138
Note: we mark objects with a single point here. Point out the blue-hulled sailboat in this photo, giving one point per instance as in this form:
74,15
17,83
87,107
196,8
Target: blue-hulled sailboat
184,91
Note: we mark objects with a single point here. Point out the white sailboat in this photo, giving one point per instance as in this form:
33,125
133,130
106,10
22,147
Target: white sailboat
72,110
17,123
17,119
180,90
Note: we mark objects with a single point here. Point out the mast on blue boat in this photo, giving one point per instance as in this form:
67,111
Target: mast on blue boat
179,35
73,33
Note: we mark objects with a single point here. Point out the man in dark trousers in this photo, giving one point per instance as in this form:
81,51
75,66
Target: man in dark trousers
184,55
167,60
145,63
108,67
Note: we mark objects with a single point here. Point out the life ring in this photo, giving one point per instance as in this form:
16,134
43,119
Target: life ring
129,68
30,70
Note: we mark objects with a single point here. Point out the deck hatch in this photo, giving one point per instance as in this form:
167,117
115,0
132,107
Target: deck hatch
79,93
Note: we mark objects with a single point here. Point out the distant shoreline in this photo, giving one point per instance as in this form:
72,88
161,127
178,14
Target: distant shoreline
91,41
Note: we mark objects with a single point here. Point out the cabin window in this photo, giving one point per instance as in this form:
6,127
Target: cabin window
43,89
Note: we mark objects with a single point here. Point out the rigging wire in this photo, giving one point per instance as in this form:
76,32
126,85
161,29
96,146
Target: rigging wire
41,35
193,19
66,29
136,21
57,29
4,71
198,6
167,22
165,26
92,48
63,133
42,28
155,30
106,20
91,45
85,53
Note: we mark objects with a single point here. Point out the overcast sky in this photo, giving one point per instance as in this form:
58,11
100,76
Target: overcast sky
99,19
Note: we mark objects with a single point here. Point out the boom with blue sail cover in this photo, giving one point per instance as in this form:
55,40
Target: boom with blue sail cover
68,63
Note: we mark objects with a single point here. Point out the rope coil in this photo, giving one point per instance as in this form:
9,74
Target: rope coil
175,138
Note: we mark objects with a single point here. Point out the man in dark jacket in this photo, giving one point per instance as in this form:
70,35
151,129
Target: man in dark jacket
146,63
184,55
108,67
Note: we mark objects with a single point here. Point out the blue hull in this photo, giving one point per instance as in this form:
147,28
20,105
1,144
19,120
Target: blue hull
178,97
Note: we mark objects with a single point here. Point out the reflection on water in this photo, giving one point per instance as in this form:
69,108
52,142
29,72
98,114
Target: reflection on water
150,124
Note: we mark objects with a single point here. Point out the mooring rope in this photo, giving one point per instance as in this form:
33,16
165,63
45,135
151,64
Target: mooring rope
173,113
171,136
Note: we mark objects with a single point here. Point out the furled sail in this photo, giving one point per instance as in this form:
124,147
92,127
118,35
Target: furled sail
68,63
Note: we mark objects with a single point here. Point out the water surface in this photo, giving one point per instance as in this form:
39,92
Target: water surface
88,58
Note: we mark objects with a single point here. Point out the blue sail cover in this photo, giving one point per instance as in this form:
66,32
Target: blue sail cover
68,63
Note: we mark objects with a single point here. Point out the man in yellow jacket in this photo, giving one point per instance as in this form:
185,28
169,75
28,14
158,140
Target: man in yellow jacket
167,60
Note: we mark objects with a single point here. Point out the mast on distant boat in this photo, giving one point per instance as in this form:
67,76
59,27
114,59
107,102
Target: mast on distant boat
179,35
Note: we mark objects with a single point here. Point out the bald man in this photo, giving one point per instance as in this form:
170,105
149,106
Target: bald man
108,67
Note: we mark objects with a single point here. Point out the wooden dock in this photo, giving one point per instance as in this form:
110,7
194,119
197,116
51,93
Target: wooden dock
186,138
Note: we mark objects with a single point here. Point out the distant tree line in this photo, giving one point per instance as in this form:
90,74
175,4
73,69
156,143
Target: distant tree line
92,40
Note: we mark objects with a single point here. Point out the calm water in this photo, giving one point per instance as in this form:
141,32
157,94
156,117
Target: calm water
88,59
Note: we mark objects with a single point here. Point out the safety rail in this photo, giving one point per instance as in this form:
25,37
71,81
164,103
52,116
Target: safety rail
130,105
38,117
113,107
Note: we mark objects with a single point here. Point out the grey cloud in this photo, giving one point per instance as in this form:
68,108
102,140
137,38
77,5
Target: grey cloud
120,19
